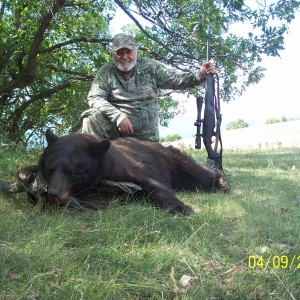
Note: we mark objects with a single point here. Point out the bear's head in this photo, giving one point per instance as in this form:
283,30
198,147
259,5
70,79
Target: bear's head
71,164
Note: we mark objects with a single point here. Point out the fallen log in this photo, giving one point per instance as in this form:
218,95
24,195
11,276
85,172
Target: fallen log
98,197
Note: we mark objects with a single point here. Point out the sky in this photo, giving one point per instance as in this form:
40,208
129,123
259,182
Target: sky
277,95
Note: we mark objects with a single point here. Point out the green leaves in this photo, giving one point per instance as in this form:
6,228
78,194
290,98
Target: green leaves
239,123
50,51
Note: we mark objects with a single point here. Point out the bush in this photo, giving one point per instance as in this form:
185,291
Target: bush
171,138
239,123
272,121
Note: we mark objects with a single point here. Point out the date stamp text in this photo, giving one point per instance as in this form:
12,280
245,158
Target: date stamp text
274,261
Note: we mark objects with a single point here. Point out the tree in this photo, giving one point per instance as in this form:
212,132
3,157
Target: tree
239,123
51,49
48,53
176,34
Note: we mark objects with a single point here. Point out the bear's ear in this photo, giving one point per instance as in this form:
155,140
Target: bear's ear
51,137
100,148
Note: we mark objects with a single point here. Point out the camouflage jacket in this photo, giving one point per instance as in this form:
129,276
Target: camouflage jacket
136,96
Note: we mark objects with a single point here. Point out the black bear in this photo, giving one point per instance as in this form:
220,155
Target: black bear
76,162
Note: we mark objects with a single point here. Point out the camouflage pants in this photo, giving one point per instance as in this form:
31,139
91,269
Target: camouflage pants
94,122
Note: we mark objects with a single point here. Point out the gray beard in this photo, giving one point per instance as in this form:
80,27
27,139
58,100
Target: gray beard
121,68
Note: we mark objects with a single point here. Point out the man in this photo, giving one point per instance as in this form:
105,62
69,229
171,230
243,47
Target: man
124,92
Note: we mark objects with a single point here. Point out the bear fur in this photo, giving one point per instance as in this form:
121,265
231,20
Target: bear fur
77,162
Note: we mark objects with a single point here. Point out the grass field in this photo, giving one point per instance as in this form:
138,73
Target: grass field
240,245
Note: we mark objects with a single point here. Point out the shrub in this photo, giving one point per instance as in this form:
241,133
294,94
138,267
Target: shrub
272,121
239,123
170,138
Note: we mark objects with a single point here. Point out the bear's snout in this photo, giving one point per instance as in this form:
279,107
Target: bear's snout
58,188
55,197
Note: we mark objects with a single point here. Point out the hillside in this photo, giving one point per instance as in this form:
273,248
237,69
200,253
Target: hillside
284,134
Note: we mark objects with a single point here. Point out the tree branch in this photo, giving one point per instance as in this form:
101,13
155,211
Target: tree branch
54,68
39,36
27,76
74,41
17,114
2,9
120,4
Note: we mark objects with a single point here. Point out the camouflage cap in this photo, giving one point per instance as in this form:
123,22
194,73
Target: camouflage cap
122,40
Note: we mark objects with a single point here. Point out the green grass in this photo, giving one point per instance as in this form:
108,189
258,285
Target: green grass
128,252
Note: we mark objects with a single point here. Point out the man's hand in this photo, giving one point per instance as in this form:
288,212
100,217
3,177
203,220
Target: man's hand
125,127
207,68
